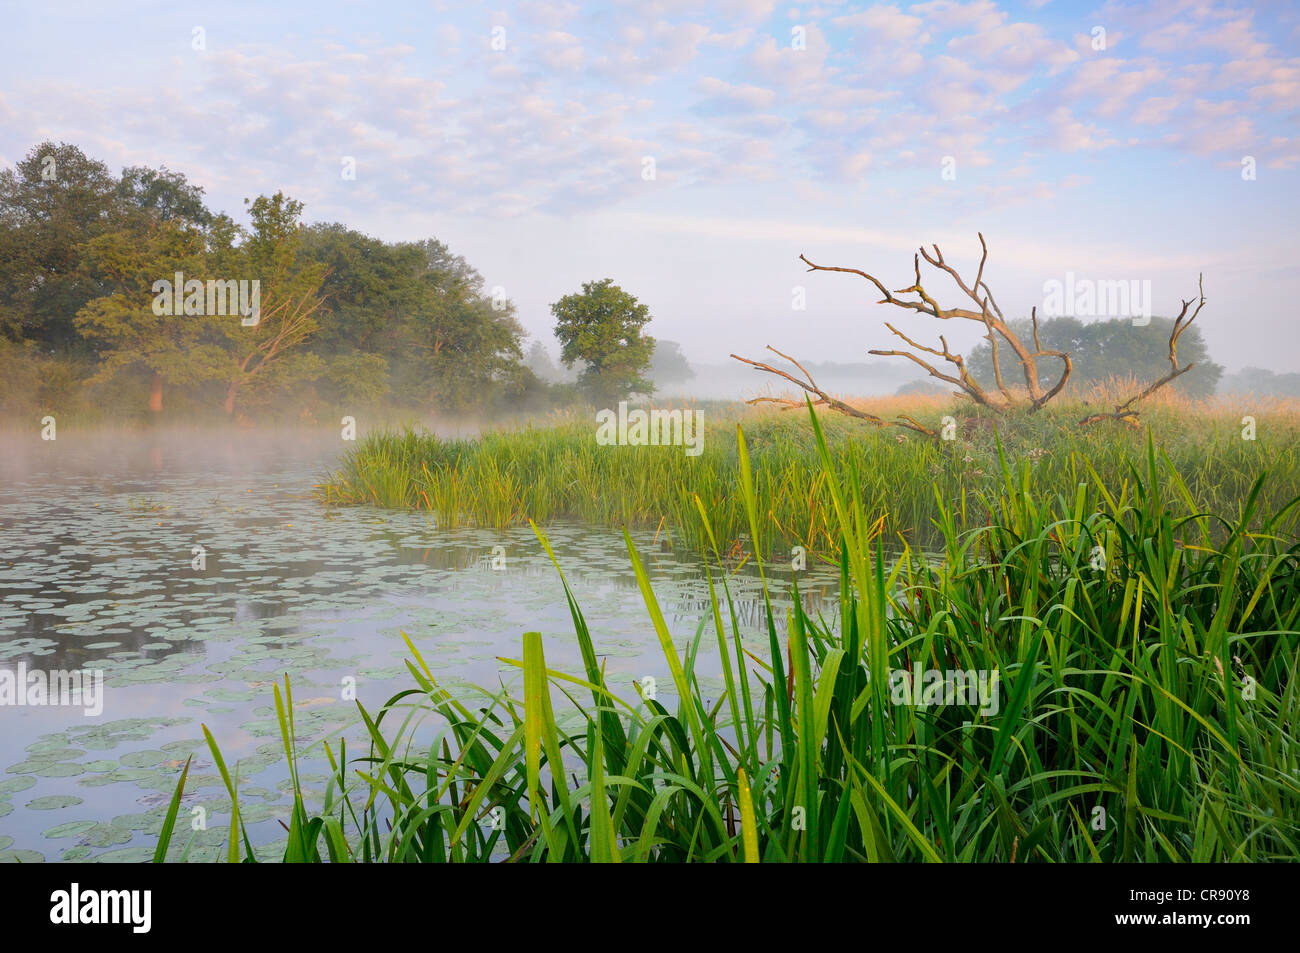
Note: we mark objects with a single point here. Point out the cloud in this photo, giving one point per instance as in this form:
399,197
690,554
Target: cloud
1068,134
560,51
1107,86
721,96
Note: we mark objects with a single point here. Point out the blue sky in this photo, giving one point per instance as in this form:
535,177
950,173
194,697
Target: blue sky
775,129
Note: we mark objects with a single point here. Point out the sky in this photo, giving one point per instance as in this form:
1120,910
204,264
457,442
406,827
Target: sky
693,151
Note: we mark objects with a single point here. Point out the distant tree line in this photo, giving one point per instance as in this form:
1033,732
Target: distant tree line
1258,380
1104,350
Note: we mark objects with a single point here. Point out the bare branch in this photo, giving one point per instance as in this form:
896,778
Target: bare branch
988,314
809,386
823,398
1125,411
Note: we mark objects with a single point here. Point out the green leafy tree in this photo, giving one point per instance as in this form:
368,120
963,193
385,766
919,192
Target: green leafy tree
415,316
55,199
470,342
343,316
122,326
602,328
160,195
267,357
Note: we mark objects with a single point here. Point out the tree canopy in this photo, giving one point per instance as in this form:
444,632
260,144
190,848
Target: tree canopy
602,328
344,318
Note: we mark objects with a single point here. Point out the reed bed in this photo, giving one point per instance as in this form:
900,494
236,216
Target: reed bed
544,473
1146,648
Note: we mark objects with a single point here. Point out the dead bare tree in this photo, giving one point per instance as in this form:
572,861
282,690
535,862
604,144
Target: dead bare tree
989,315
1125,412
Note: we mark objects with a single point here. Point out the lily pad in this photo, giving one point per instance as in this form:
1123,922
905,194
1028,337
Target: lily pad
14,785
124,855
144,759
139,822
106,835
21,857
53,802
70,829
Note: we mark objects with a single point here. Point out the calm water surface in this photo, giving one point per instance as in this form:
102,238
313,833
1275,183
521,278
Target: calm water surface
96,550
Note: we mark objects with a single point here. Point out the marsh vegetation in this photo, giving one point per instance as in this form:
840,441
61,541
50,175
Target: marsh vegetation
1146,647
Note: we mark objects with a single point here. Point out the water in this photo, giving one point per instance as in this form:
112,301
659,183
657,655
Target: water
97,572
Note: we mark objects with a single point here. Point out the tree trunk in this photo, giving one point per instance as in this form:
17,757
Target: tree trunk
231,391
155,394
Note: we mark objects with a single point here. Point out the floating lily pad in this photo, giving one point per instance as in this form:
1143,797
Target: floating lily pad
106,835
182,747
143,759
96,781
133,774
53,802
21,857
70,829
125,855
14,785
139,822
26,767
61,753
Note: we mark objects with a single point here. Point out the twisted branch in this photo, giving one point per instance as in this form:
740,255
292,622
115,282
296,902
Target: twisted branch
989,315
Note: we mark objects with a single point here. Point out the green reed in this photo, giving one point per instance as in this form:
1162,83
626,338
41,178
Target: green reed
509,477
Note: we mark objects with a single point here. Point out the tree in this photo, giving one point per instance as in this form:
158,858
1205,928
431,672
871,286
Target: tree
356,317
602,327
411,318
1261,381
50,203
470,342
1036,393
160,195
538,360
365,334
122,325
266,355
1114,349
668,365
